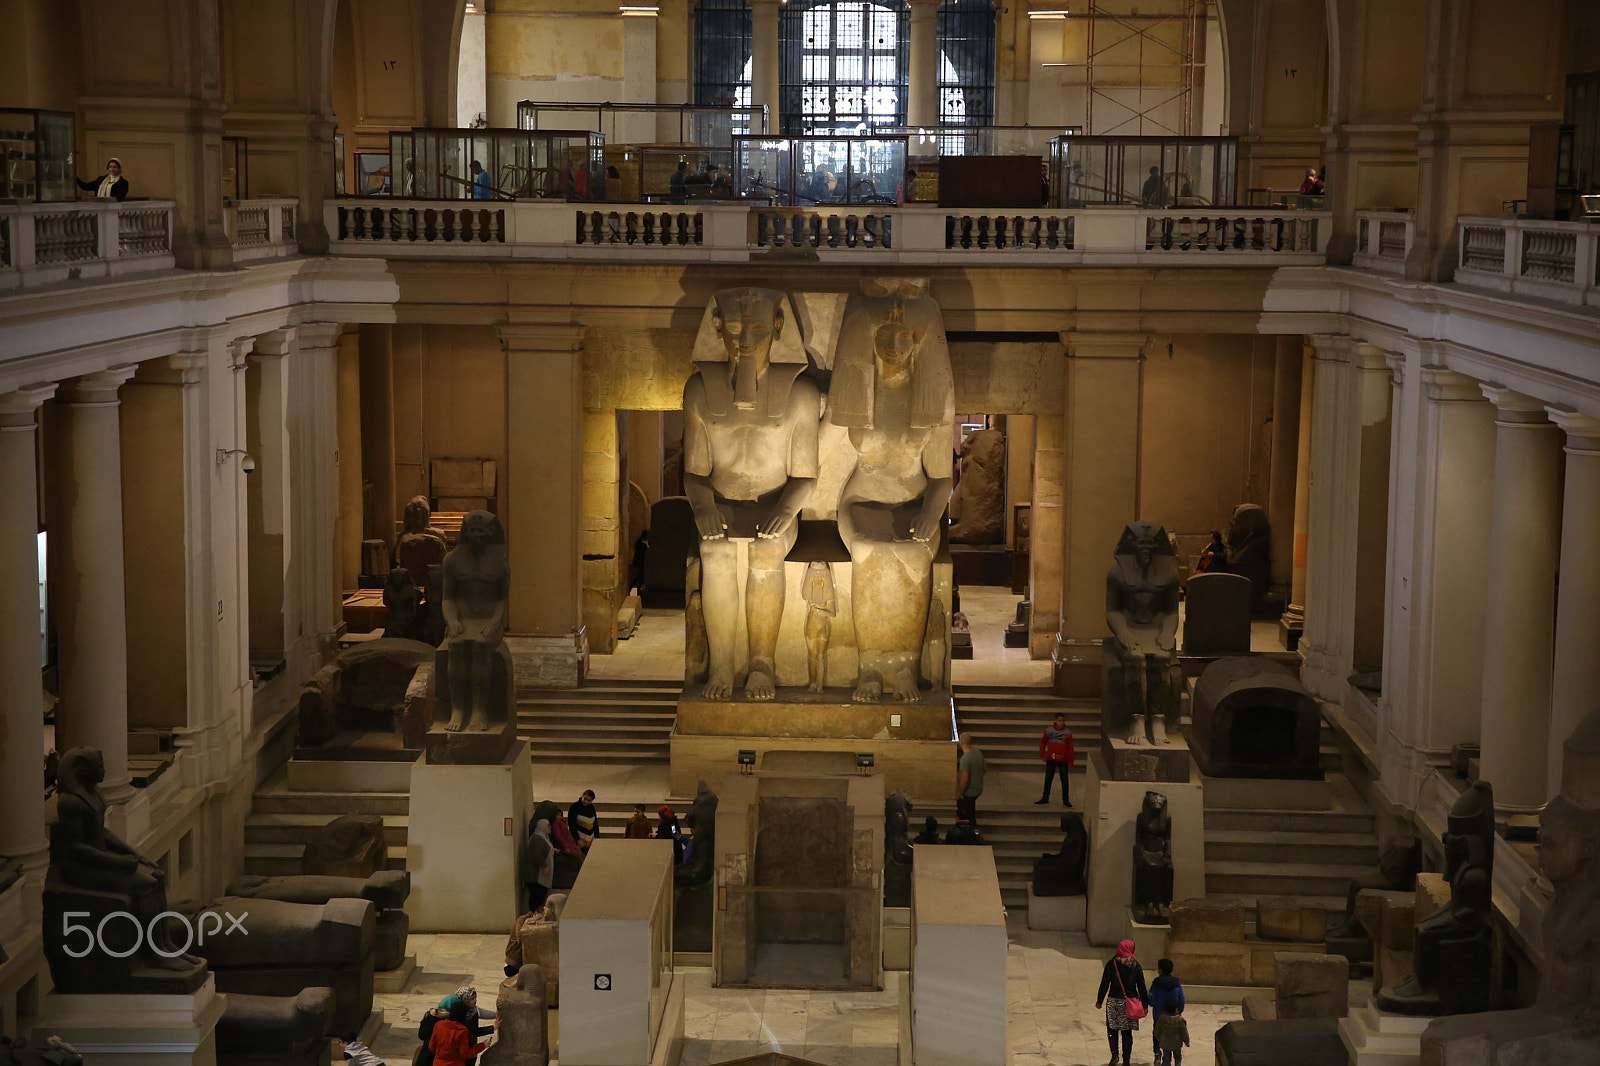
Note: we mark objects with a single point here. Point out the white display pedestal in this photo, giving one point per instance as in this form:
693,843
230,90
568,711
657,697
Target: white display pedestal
958,959
1109,816
137,1030
1375,1038
464,844
1058,913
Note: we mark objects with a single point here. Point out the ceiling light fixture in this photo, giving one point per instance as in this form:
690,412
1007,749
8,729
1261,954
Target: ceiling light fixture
1058,14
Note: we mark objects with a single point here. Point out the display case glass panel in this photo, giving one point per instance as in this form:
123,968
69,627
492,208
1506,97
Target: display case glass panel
1166,172
36,156
486,164
801,171
647,123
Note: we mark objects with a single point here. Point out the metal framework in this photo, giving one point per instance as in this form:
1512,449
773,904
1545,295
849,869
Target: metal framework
1108,29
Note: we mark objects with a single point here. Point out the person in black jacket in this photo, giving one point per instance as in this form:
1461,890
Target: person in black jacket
583,820
1122,983
110,185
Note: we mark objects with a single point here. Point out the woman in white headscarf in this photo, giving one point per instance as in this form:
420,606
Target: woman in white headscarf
109,186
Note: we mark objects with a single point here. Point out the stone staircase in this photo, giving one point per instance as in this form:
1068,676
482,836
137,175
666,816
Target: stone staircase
603,722
276,831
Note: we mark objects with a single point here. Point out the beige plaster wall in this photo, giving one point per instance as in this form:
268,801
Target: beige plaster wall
1290,93
535,53
41,67
1206,429
449,401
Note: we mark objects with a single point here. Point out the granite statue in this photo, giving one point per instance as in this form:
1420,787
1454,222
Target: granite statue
1250,549
477,673
1455,946
368,688
750,464
421,545
817,587
271,1030
522,1021
1569,855
51,1052
93,874
402,602
351,845
696,649
700,867
978,504
536,941
1065,873
897,850
386,889
1143,682
893,389
1152,862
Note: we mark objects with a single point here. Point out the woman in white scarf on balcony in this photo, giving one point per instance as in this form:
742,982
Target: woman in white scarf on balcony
110,185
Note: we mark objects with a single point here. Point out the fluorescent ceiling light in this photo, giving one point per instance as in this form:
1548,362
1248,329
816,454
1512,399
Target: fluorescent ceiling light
1061,14
640,10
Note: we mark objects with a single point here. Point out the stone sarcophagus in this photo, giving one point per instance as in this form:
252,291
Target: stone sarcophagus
1253,718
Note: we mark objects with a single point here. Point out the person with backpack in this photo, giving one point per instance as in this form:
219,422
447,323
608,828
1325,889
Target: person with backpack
1164,989
1123,993
1056,749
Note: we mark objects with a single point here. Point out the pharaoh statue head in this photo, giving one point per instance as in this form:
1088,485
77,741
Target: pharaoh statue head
893,340
1144,542
479,530
750,332
896,344
417,515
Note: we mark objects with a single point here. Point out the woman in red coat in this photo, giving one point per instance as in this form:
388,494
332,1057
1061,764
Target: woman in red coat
1055,748
451,1041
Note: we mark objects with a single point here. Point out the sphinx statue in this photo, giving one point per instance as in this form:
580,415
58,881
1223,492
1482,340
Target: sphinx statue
1143,682
421,545
1152,862
1455,945
893,389
477,583
94,874
749,466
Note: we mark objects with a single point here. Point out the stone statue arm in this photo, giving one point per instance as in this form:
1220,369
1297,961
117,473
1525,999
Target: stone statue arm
115,854
803,416
1115,618
1167,637
795,494
697,462
936,495
703,501
496,630
447,604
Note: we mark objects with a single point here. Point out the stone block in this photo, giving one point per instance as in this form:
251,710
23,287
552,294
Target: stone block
1432,895
1386,915
1145,762
1390,966
1210,920
1311,986
1065,913
1299,1041
1263,959
1210,963
349,846
1278,918
1259,1008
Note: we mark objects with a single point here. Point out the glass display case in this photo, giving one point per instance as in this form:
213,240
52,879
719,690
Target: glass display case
803,171
489,164
652,174
1144,171
926,144
36,156
646,123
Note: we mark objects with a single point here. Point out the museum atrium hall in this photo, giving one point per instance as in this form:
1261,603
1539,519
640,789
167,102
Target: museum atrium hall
1193,401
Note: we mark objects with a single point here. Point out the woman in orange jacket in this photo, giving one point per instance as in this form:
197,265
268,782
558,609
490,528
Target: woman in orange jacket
1055,748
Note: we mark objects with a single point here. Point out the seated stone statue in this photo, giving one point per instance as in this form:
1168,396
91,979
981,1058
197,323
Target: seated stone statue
1064,874
521,1021
894,390
1152,862
421,545
477,583
1455,945
94,873
1143,682
1569,855
897,850
402,603
702,821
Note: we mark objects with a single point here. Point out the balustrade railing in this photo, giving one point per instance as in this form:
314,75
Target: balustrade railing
1383,240
1553,260
261,228
45,243
921,235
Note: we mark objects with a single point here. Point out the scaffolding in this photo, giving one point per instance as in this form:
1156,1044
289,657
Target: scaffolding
1113,26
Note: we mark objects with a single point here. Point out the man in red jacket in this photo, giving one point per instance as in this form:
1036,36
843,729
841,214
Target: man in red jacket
1055,748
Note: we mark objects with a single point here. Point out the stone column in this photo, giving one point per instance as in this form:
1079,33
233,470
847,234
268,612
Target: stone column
1375,382
314,480
351,521
1044,549
923,78
764,87
1331,519
86,572
377,431
543,502
1577,642
1293,622
22,832
1524,543
1282,488
1100,491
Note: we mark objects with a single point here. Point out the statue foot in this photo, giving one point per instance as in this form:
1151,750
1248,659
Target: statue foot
905,685
1136,730
720,686
479,723
869,689
1158,731
455,723
815,686
758,686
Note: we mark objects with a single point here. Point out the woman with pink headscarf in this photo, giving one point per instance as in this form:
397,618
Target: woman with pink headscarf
1123,993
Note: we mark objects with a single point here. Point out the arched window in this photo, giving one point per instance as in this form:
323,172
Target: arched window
966,63
843,64
722,53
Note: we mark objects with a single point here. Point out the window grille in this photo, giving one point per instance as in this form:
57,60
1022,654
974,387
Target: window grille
966,70
722,56
843,65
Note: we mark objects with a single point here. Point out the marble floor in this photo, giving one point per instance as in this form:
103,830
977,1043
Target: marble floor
1051,1020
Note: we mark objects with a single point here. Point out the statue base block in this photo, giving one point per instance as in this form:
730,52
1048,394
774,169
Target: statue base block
467,748
144,1030
1508,1038
1061,913
797,712
921,767
1147,762
464,845
1375,1038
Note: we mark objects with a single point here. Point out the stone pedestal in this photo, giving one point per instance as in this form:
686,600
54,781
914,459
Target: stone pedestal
464,845
897,938
1375,1038
1112,807
1507,1038
137,1030
1146,762
1061,913
616,954
958,963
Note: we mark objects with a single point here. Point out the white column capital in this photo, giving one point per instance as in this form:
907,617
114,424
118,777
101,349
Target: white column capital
769,8
542,337
98,388
1090,345
17,408
1443,385
239,350
278,342
1372,357
1583,431
319,334
1332,347
1396,362
1513,407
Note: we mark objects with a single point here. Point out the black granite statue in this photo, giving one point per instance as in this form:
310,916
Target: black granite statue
1250,550
51,1052
1142,681
1455,945
1064,874
402,601
1152,862
109,888
897,850
702,819
930,832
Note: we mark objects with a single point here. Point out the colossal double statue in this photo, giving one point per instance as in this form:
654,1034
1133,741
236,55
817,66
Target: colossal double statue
1142,678
893,389
750,464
